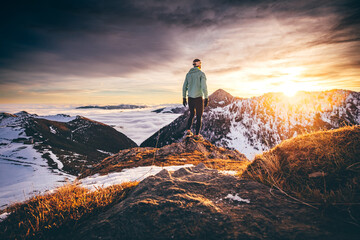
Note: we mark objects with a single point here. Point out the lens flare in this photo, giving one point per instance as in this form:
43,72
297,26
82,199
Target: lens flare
289,88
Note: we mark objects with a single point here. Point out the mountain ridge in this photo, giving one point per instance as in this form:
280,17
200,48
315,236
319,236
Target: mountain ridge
71,140
256,124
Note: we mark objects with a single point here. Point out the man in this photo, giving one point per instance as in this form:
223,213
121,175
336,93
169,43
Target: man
195,84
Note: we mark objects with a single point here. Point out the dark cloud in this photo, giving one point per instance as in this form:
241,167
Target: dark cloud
347,28
78,37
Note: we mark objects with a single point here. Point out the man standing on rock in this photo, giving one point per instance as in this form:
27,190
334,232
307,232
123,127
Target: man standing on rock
195,84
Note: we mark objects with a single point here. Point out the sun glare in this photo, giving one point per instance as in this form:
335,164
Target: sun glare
290,92
289,89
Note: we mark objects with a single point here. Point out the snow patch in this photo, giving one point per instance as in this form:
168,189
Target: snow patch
102,151
230,172
58,117
236,197
60,165
52,130
3,216
126,175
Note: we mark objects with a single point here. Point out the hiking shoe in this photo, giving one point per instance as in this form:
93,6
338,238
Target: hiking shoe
198,137
189,133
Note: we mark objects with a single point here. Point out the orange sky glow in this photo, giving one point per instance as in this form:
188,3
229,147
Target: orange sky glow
247,50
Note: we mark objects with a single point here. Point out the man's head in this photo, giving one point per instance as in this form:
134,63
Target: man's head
197,63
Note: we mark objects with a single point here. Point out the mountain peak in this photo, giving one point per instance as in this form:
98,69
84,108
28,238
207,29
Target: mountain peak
220,93
220,98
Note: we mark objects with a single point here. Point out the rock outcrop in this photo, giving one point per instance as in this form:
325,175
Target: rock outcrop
187,151
202,203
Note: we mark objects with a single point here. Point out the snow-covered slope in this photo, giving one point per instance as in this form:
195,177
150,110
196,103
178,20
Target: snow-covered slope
253,125
69,143
39,152
23,170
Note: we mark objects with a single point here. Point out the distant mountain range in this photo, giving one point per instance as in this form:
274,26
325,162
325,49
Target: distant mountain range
253,125
120,106
170,110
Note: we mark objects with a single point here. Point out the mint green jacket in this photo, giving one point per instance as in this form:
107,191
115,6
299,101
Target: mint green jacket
195,84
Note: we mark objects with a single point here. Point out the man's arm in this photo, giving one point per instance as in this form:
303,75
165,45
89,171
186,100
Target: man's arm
204,85
185,86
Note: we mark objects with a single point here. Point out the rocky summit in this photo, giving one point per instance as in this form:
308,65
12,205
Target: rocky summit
187,151
202,203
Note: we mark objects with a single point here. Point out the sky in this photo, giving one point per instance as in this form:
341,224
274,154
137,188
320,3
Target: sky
138,52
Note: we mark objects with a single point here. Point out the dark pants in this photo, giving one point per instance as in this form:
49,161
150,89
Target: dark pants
196,105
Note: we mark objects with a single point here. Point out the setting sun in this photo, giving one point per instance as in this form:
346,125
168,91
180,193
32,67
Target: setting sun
290,92
288,88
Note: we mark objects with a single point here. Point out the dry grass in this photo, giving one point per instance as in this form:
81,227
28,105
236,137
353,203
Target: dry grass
320,168
58,213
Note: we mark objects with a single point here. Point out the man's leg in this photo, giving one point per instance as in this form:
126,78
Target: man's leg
192,113
199,111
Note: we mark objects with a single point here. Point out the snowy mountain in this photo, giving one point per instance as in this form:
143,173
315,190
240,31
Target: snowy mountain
253,125
68,143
